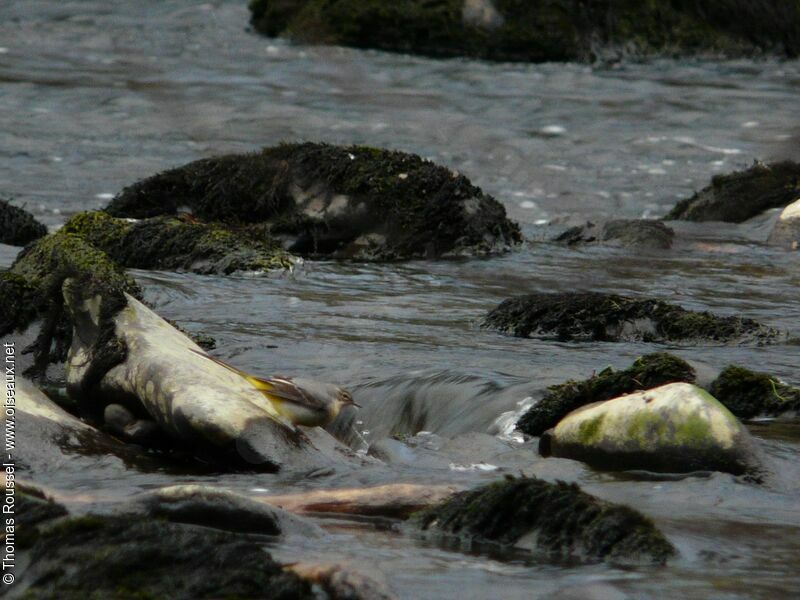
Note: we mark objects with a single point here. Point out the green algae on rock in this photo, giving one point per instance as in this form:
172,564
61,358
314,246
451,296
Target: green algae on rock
33,287
178,243
130,558
608,317
674,428
741,195
557,520
629,233
556,30
646,372
749,394
330,201
17,226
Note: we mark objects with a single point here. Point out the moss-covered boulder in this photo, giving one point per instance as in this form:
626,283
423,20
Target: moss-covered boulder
331,201
647,372
628,233
180,243
32,288
131,558
786,232
555,30
17,226
556,520
749,394
608,317
739,196
674,428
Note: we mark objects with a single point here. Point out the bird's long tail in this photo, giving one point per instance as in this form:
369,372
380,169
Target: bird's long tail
222,363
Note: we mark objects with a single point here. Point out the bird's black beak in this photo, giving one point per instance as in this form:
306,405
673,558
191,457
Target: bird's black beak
356,404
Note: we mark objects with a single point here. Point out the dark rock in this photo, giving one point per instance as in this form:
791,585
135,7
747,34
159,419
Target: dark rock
646,372
674,428
638,233
178,243
18,227
329,201
557,30
220,509
749,394
742,195
557,520
129,557
607,317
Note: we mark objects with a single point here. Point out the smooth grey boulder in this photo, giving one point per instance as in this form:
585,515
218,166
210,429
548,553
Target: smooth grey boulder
786,232
220,509
674,428
156,371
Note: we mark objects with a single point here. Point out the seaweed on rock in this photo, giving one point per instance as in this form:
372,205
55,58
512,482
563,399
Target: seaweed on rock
608,317
561,520
649,371
749,394
178,243
738,196
555,30
18,227
324,200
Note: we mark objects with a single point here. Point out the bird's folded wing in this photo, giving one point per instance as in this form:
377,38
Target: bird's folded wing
285,389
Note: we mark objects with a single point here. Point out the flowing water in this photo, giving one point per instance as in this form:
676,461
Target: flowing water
95,95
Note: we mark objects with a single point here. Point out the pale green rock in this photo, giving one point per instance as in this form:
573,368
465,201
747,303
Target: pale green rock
676,428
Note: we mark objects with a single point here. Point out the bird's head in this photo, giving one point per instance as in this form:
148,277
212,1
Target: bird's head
344,398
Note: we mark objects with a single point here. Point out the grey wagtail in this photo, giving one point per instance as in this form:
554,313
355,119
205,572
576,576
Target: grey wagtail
299,401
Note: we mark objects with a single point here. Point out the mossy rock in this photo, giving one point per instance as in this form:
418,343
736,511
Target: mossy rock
17,226
180,243
135,558
608,317
741,195
646,372
628,233
331,201
33,289
553,30
749,394
556,520
674,428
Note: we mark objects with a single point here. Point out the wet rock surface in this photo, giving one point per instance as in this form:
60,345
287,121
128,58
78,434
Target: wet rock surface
129,557
741,195
608,317
332,201
628,233
17,226
561,30
649,371
343,582
786,232
676,428
555,520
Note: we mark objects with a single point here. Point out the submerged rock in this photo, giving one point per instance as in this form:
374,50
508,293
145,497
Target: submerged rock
330,201
749,394
557,520
607,317
742,195
786,232
341,582
558,30
140,361
219,509
178,243
17,226
638,233
647,372
129,557
675,428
